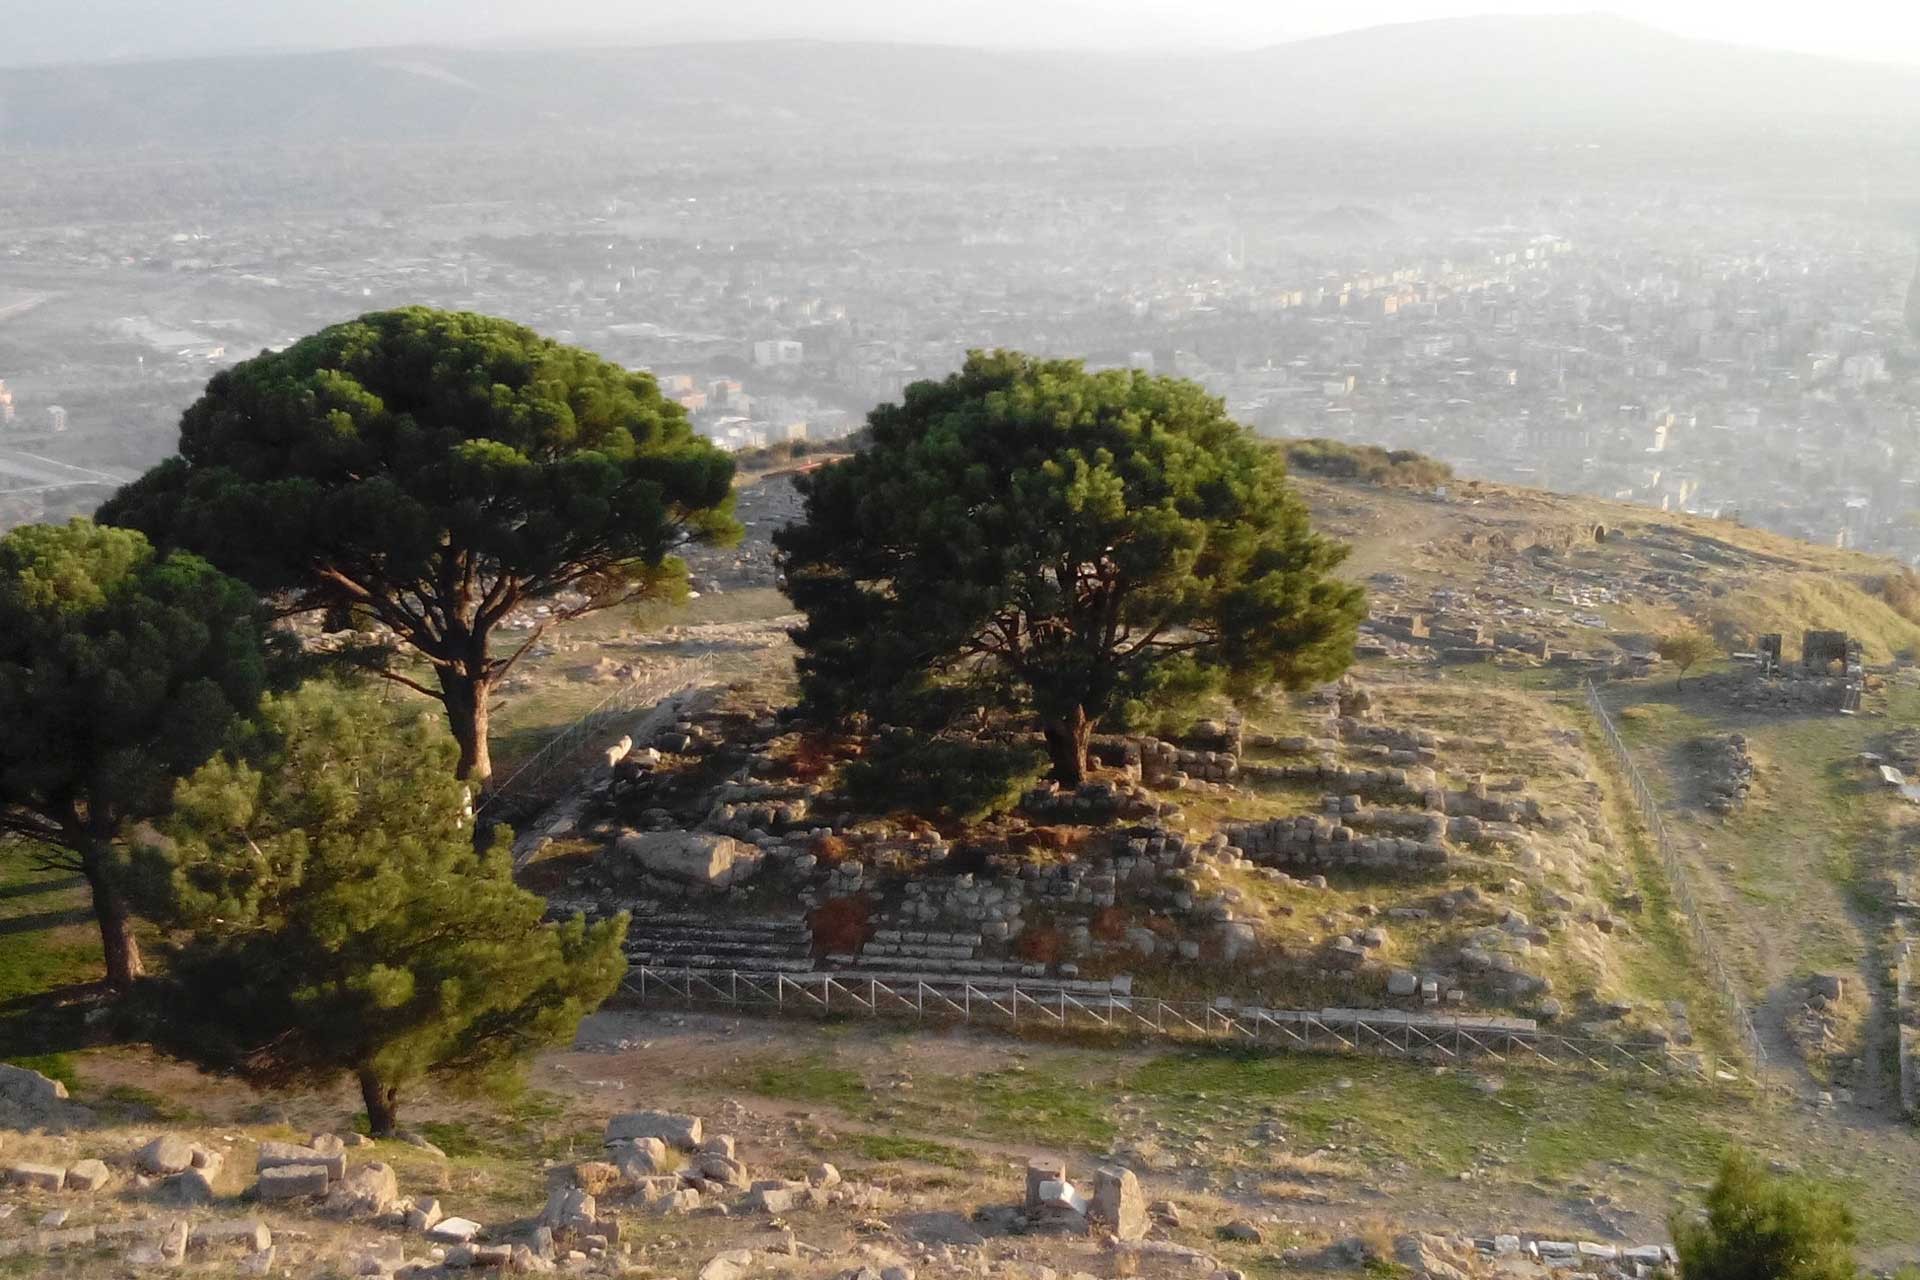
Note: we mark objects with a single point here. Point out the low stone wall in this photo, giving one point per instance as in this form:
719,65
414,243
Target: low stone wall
1323,841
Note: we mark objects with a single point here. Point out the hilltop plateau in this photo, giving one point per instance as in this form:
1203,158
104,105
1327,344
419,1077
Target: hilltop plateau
1529,1017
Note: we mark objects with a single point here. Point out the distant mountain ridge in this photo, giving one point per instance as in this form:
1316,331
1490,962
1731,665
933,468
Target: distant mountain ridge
1508,75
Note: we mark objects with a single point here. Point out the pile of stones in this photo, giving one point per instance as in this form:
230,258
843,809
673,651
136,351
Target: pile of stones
1730,771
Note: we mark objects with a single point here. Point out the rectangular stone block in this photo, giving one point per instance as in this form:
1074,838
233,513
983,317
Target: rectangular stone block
41,1177
248,1233
293,1182
673,1129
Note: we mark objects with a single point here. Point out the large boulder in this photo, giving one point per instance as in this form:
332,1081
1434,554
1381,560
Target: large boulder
30,1089
189,1187
699,858
367,1191
166,1154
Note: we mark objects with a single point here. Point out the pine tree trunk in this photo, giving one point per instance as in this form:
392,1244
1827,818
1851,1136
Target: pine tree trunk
1067,741
383,1104
467,714
121,948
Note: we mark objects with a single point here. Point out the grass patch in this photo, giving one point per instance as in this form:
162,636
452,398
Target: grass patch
809,1079
47,937
889,1147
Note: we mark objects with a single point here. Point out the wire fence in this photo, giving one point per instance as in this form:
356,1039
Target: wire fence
1009,1006
1679,884
565,749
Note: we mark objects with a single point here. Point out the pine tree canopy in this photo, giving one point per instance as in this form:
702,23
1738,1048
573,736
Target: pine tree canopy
120,672
332,913
435,471
1085,546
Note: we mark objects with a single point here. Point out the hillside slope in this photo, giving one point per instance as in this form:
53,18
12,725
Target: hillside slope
1479,76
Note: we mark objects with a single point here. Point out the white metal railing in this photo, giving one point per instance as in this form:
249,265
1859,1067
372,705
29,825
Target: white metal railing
1679,883
1010,1006
566,746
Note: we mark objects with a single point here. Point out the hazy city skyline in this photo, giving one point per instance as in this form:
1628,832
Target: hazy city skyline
122,29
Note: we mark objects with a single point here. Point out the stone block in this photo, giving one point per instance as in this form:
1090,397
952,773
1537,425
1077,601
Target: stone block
87,1175
453,1230
368,1191
190,1187
699,858
674,1130
275,1155
250,1234
166,1154
1041,1170
641,1158
40,1177
1118,1202
424,1214
293,1182
59,1241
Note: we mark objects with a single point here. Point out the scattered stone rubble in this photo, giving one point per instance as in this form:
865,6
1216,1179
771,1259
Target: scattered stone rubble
1730,772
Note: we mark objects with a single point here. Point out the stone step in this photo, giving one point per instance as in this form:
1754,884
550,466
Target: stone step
721,946
735,928
758,964
917,950
911,964
932,937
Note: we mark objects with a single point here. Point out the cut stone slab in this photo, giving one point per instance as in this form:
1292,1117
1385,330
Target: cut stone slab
670,1128
248,1233
41,1177
454,1230
88,1175
275,1155
68,1238
691,857
1058,1193
1042,1170
293,1182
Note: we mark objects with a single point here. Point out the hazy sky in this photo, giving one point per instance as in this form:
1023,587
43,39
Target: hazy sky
89,30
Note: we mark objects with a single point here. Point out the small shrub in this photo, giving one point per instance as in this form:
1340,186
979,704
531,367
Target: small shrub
1760,1227
832,850
1399,468
959,779
1040,944
841,926
1109,924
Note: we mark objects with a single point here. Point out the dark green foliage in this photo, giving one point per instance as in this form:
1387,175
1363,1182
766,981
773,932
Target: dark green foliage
1759,1227
1084,546
434,472
954,778
333,913
1399,468
120,672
